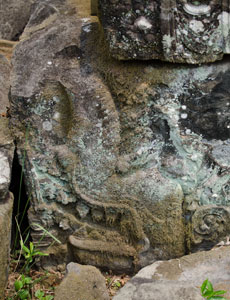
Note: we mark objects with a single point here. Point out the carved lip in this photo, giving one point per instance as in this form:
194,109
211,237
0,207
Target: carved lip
197,10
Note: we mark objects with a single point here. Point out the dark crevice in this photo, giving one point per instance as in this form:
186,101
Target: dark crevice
16,38
20,201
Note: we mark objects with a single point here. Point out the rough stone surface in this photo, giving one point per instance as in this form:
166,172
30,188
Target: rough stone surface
14,14
179,278
176,31
4,83
6,158
82,282
6,49
126,162
6,139
6,207
86,187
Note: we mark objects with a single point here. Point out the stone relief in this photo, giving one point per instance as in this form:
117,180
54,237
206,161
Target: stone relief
177,31
126,162
210,223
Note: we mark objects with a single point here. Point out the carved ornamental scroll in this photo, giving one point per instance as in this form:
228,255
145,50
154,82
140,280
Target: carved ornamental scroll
183,31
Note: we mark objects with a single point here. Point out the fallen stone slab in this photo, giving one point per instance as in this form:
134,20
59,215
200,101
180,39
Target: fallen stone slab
82,282
180,279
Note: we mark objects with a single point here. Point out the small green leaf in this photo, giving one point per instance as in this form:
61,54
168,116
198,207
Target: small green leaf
18,285
209,286
24,247
31,247
215,293
203,287
23,294
208,294
39,294
217,298
23,279
28,280
49,297
118,284
40,253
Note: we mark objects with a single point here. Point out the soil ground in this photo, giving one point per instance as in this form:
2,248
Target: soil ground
47,281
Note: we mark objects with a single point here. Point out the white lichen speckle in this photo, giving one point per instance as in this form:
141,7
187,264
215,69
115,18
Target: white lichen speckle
194,157
49,63
56,99
57,116
184,116
142,23
87,28
196,26
47,126
167,41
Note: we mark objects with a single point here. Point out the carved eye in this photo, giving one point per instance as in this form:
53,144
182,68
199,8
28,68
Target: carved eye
197,8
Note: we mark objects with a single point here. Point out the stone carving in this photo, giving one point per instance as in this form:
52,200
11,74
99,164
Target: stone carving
86,187
210,223
177,31
122,158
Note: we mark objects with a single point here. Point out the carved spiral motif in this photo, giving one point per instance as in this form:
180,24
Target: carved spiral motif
211,222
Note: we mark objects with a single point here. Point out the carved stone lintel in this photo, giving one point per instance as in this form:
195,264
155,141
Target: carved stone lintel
181,31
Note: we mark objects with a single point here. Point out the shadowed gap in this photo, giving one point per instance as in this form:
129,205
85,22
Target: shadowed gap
19,209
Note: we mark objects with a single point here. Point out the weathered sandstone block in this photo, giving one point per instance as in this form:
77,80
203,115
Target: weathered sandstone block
6,158
102,196
6,206
82,282
183,31
14,14
126,162
179,278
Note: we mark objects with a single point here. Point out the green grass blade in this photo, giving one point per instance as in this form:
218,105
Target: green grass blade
47,232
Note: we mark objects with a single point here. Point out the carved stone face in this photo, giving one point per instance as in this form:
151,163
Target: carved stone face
177,31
